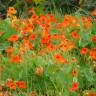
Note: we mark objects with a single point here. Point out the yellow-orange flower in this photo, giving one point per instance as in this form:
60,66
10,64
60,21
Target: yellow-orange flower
11,11
67,45
94,12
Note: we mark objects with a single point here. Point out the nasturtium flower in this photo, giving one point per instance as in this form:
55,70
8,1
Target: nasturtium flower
13,38
16,59
93,53
84,50
32,36
11,84
90,93
11,10
74,86
21,84
60,58
94,38
75,34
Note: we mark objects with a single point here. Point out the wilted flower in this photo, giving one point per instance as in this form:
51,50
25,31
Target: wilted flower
39,70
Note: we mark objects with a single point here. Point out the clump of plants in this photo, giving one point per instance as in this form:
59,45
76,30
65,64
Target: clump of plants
47,55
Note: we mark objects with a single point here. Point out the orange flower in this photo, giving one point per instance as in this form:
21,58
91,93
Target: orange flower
21,84
93,53
84,51
42,52
84,19
50,47
34,17
67,45
16,59
88,24
66,21
13,38
22,48
31,46
75,34
39,70
60,58
55,36
27,28
74,19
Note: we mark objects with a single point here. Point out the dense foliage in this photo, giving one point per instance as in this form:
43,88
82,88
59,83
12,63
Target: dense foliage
45,6
47,53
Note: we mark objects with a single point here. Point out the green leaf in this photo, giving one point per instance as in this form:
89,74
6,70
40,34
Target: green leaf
7,29
85,39
4,45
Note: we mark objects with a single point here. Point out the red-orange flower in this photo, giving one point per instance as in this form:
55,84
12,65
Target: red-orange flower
10,83
90,93
32,36
60,58
21,84
13,38
93,53
94,38
16,59
50,47
74,86
34,17
9,50
44,40
0,33
84,50
75,34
